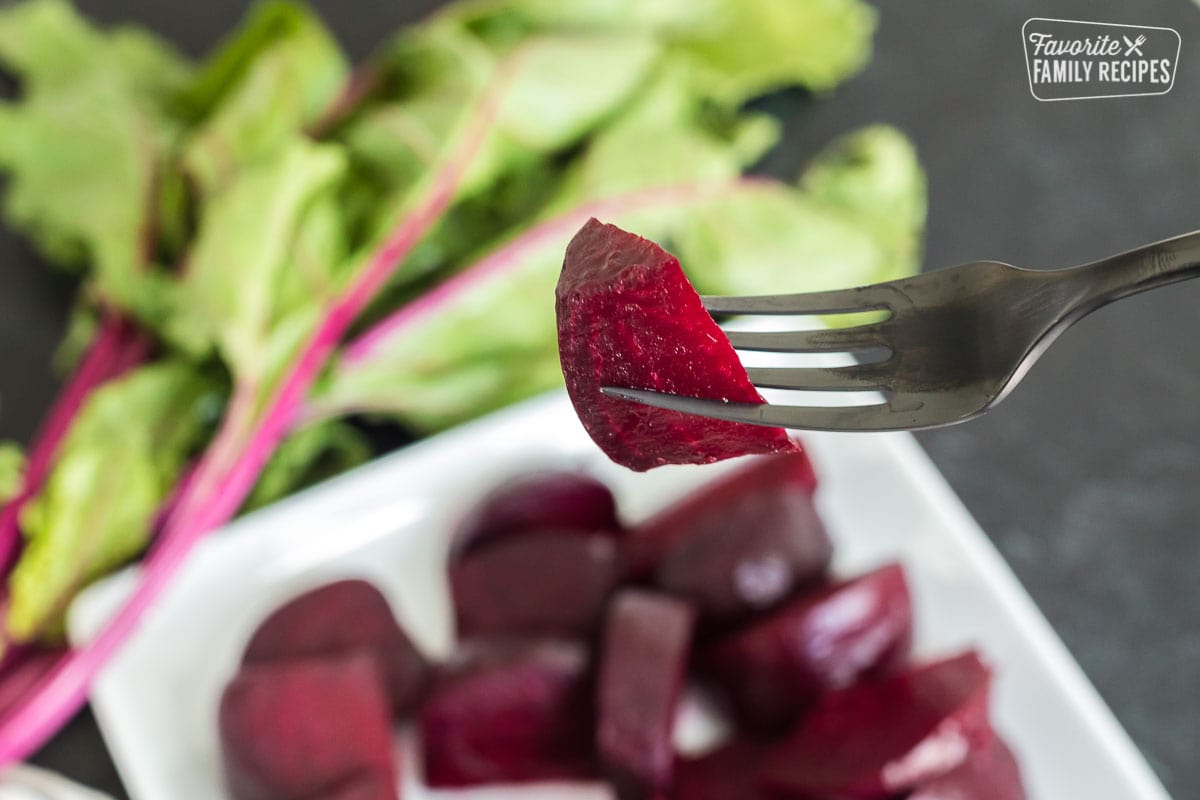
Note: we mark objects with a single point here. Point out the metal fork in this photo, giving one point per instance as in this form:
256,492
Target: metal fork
954,342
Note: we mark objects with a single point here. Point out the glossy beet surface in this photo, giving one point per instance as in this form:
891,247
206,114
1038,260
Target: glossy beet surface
778,665
628,317
510,715
550,584
751,549
363,787
549,500
780,484
300,729
876,740
343,617
644,662
990,773
724,774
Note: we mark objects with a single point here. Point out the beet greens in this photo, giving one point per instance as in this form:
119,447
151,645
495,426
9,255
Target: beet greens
256,272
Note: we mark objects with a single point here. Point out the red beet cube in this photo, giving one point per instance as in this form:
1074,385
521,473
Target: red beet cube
361,787
298,729
879,739
643,666
741,546
628,317
545,584
780,664
338,618
761,480
541,501
510,715
724,774
991,773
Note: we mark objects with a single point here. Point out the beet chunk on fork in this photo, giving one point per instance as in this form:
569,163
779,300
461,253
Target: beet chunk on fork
629,318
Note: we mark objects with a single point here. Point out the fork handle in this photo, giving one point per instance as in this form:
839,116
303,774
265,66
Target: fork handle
1110,279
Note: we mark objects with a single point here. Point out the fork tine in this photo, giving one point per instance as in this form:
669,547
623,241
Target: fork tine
816,418
822,340
855,378
840,301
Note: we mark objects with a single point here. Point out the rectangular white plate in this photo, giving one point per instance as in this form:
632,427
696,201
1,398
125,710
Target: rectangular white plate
388,521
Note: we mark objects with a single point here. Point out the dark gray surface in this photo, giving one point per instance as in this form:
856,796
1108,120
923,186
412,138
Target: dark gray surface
1086,478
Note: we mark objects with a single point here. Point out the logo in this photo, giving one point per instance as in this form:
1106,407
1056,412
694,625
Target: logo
1075,60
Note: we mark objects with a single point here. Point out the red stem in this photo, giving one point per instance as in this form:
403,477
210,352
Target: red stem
23,668
230,467
117,347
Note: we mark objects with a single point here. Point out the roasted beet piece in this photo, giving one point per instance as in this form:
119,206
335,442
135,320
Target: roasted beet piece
990,773
646,641
749,551
301,728
545,584
551,500
628,317
510,714
724,774
361,787
772,494
338,618
878,739
780,664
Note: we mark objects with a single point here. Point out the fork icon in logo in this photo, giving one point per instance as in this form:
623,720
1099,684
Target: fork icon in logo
1132,47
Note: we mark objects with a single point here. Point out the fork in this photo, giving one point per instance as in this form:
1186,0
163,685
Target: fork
952,345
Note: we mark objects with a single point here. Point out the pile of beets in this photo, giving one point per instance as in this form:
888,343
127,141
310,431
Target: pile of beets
577,637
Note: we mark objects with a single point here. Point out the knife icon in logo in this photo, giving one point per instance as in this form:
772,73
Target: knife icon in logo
1134,47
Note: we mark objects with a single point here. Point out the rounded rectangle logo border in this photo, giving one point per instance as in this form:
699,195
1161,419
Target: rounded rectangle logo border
1029,67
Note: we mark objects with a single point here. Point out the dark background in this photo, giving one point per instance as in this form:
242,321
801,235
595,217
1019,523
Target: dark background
1087,477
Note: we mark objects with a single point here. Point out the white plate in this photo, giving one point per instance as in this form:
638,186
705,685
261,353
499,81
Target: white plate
881,497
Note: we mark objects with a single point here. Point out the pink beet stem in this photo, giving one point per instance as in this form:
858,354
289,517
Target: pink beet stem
511,255
117,347
171,503
230,467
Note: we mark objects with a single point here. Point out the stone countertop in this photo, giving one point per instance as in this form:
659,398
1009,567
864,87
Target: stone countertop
1086,477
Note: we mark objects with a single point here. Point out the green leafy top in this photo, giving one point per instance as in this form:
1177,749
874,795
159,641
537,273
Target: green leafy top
89,140
738,48
12,468
116,467
874,178
262,88
743,48
858,219
247,272
121,154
